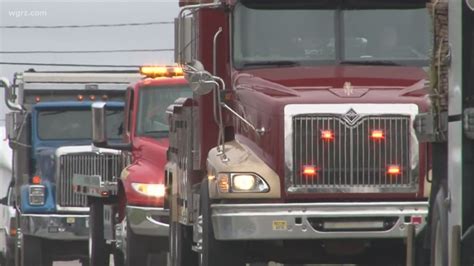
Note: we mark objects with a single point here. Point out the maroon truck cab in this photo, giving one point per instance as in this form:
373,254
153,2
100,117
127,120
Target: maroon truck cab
315,141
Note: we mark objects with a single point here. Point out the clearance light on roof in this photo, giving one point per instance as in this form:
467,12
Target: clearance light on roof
327,135
394,170
377,134
161,71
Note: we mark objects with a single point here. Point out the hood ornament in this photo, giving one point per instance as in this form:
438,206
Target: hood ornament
348,89
351,116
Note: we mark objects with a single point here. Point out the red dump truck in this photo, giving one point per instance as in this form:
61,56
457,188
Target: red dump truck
127,217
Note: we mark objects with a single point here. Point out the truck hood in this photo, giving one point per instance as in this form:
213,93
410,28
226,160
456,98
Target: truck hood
334,83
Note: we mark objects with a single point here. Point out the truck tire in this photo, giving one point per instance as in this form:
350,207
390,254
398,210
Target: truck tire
180,239
98,252
439,230
215,252
34,253
136,249
119,259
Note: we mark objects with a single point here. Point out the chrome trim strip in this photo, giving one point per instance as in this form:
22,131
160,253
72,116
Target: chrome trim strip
292,110
255,221
55,226
141,220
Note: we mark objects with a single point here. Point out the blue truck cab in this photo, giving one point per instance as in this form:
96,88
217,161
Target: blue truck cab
71,123
50,132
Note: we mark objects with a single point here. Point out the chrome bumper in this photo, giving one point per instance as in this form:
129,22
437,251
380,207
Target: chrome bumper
55,226
148,220
316,220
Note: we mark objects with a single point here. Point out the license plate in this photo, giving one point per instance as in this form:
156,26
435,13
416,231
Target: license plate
70,220
280,225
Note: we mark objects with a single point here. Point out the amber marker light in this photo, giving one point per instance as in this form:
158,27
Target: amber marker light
377,134
223,183
393,170
36,180
327,135
310,170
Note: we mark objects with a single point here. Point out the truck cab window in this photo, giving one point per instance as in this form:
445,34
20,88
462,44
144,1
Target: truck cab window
152,120
313,34
75,124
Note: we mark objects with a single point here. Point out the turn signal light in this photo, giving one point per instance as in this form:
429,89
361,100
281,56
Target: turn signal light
377,134
327,135
394,170
309,170
36,180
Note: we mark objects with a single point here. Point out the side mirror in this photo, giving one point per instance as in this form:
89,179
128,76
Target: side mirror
199,79
99,129
99,126
184,51
8,97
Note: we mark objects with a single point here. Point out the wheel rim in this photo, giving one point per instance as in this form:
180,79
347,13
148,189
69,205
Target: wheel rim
438,249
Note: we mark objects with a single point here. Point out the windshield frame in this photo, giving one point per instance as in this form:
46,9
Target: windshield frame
339,28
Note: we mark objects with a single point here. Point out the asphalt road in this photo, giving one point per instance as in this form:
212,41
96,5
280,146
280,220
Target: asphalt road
76,263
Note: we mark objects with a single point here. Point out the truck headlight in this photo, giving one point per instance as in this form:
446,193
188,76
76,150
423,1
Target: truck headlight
241,182
36,194
150,190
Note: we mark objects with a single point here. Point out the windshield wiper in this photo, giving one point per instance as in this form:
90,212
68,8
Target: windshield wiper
156,132
272,63
55,112
370,62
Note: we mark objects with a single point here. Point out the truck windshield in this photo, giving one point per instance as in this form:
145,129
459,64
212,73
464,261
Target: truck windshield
329,32
75,124
152,120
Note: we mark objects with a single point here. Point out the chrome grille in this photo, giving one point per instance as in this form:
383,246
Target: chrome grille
351,161
105,165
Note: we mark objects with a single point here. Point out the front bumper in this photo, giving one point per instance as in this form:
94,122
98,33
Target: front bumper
361,220
148,221
55,226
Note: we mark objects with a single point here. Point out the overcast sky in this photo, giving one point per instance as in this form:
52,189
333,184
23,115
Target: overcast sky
70,12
